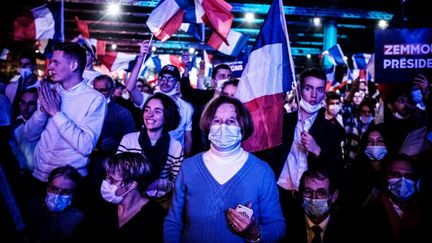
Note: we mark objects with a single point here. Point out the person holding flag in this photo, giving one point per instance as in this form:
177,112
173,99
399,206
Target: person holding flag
309,140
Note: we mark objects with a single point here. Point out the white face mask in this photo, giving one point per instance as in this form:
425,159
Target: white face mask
108,192
225,137
376,152
334,109
402,188
308,107
57,202
173,92
219,84
25,72
315,207
399,116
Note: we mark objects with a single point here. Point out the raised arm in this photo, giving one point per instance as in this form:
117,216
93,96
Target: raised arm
136,95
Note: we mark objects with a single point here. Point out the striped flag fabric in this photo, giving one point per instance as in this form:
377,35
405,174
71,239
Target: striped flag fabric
166,19
218,16
336,55
370,67
44,22
237,42
360,60
117,60
194,29
268,75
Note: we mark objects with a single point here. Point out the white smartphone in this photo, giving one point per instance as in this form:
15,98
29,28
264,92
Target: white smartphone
247,212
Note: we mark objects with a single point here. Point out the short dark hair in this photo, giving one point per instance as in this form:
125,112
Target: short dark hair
319,174
73,51
243,116
218,67
231,81
171,111
32,90
388,162
312,72
68,172
369,103
107,78
28,55
331,95
373,128
132,167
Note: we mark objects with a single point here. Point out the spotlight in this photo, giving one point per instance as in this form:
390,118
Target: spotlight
382,24
113,9
114,46
317,21
250,17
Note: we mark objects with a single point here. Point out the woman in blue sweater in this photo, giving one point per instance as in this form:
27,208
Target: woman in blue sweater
211,184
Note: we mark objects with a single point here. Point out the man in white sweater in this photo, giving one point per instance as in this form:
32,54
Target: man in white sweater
69,117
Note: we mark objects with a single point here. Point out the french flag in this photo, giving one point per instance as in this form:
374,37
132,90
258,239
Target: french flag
360,60
44,22
268,75
166,18
117,60
237,42
336,55
195,30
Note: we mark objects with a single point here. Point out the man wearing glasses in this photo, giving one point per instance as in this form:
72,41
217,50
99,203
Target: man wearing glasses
315,219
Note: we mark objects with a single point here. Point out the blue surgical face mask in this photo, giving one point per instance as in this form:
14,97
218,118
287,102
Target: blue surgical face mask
315,207
366,119
57,202
225,137
417,96
376,152
25,72
402,188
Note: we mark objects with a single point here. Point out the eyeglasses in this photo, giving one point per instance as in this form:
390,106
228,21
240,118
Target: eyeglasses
166,79
30,103
60,191
103,90
320,193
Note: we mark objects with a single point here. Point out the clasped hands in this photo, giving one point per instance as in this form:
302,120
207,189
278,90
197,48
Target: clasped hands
49,99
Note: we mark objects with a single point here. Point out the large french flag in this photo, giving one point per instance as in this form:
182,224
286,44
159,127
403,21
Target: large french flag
117,60
268,75
166,18
44,22
236,40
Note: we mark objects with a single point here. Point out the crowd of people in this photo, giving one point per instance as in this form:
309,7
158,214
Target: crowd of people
80,162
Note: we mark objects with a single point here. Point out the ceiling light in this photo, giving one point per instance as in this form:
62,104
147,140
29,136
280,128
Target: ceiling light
114,46
308,56
382,24
317,21
250,17
113,9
